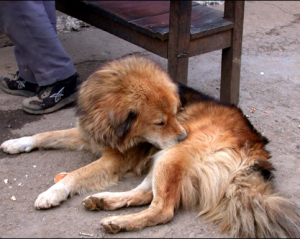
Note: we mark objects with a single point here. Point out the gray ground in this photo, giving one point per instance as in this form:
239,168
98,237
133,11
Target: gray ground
270,86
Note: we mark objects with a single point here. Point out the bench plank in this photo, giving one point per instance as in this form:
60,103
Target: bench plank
152,17
131,10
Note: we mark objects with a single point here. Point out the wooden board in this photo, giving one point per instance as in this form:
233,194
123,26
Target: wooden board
152,17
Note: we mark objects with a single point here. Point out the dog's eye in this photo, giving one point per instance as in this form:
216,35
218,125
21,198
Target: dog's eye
160,123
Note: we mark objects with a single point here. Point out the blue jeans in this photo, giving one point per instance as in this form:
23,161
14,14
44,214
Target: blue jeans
31,26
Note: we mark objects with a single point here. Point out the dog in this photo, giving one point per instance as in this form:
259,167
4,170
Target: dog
196,152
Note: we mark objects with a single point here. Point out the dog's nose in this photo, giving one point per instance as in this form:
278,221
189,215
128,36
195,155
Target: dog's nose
182,136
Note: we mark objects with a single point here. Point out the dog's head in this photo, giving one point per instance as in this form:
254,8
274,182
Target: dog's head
128,101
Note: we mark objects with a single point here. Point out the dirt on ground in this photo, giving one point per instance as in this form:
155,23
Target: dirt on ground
269,96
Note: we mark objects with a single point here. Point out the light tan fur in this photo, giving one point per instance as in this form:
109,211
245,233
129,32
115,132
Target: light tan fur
205,156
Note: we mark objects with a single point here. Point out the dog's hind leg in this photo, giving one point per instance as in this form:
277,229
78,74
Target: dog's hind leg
94,176
167,176
141,195
69,139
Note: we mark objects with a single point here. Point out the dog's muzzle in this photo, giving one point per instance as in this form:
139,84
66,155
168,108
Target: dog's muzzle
182,136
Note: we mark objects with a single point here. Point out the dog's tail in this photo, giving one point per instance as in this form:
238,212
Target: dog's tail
248,207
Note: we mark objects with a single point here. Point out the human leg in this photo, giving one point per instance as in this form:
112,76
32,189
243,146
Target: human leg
40,55
31,25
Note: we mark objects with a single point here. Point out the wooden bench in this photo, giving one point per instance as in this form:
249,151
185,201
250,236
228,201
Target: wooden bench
175,30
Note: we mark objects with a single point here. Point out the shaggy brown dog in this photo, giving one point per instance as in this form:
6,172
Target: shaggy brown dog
205,155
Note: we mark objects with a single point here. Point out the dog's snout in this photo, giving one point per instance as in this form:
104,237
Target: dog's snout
182,136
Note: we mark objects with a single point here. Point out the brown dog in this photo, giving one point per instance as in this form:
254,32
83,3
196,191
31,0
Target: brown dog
201,154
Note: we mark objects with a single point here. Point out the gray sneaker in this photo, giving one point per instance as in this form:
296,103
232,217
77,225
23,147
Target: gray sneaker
52,98
16,85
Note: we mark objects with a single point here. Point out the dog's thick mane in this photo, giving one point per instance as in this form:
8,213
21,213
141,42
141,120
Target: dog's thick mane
112,127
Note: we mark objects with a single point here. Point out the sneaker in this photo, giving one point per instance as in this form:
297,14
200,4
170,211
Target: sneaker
53,97
16,85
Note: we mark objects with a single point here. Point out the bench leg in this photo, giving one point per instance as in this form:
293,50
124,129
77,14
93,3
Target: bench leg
178,69
179,40
230,76
231,57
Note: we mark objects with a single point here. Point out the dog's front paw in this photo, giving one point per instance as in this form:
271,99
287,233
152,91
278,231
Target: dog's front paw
52,197
15,146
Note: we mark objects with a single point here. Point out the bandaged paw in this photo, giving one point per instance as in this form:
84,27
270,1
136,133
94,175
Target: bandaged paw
52,197
15,146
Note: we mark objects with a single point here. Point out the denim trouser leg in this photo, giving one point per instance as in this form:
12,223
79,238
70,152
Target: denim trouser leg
31,26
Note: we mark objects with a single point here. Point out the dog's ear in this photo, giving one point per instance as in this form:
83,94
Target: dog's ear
122,123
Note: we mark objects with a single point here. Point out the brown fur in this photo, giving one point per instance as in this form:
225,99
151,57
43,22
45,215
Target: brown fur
220,167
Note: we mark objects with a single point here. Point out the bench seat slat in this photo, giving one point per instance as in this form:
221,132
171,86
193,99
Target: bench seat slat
131,10
152,17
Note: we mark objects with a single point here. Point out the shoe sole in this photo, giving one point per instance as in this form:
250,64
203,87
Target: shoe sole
17,92
59,105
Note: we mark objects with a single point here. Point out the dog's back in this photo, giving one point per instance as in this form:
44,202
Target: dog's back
229,175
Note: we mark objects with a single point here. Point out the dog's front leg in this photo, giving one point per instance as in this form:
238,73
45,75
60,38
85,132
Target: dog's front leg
68,139
167,176
95,176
